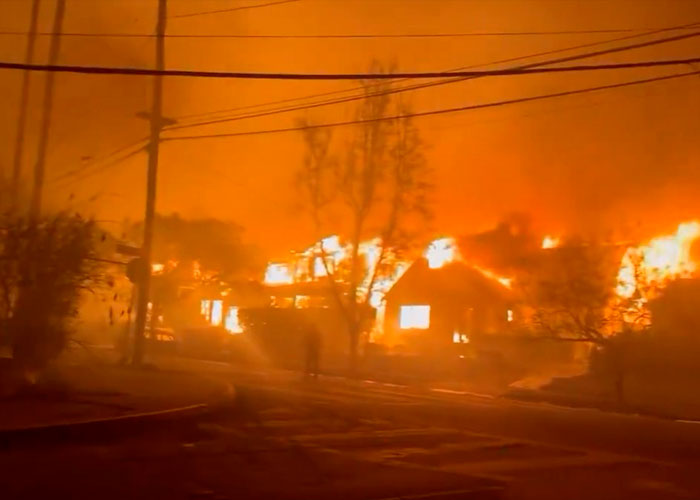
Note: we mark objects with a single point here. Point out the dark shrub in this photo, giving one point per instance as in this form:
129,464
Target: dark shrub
44,269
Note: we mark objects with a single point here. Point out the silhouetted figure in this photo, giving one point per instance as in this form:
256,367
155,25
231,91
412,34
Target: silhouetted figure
312,344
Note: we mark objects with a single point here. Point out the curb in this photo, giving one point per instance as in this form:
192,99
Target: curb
572,403
99,429
112,428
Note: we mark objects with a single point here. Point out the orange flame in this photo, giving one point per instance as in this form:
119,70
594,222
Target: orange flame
506,282
278,274
661,260
551,242
441,252
444,251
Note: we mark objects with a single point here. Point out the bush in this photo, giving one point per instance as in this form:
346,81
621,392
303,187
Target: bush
44,268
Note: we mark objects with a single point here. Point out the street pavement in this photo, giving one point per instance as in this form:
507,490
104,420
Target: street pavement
289,438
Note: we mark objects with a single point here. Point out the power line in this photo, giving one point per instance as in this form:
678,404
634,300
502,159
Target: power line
511,59
104,70
365,95
399,117
414,87
431,84
232,9
140,143
84,172
338,101
438,111
336,36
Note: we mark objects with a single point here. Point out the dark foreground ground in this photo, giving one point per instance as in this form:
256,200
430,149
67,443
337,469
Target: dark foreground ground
336,439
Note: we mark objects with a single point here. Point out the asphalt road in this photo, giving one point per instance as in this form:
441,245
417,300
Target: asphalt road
333,438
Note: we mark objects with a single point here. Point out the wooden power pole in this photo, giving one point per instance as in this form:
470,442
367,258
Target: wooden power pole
156,126
40,166
23,103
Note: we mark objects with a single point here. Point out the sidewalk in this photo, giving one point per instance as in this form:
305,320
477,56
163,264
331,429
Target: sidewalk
99,389
642,397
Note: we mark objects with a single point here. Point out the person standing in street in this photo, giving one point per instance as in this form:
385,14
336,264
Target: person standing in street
312,347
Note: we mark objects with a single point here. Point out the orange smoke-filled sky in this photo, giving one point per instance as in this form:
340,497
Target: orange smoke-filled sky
622,161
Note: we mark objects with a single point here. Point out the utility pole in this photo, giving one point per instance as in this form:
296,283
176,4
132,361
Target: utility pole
156,126
40,167
23,103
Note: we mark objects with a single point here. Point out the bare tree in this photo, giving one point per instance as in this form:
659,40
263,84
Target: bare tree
379,180
314,176
574,298
409,189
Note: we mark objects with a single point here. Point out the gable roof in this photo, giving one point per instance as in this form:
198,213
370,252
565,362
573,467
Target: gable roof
457,282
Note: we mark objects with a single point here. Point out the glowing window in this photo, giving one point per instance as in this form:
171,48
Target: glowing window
414,317
460,338
217,312
510,315
231,323
205,308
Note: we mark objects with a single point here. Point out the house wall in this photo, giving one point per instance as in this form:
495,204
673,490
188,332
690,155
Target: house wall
446,317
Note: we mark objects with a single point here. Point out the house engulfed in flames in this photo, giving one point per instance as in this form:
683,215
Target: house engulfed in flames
445,298
302,281
436,298
646,270
442,300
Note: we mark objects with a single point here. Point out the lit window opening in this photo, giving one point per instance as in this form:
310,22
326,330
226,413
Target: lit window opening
232,323
217,312
460,338
414,317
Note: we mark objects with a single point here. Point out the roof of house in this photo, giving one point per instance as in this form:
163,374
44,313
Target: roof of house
457,281
317,288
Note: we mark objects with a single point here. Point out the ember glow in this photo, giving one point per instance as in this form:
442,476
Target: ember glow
660,261
441,252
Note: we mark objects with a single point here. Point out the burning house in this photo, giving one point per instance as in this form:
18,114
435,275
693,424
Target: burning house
313,285
432,308
442,300
468,291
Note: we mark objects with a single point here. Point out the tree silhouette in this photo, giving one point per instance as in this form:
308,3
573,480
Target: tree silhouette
379,181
